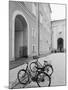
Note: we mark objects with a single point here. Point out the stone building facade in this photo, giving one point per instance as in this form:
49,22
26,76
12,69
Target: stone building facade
45,28
58,39
29,29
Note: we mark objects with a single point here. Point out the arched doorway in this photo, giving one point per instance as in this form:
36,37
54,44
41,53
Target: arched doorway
21,36
60,44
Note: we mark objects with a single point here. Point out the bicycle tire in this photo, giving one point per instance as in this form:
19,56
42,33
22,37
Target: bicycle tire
23,77
40,83
50,66
33,67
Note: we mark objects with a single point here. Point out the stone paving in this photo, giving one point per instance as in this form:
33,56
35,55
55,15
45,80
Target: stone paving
58,78
19,62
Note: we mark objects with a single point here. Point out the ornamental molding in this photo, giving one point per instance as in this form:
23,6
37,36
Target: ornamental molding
31,16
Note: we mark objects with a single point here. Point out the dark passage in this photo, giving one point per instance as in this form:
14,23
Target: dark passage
21,37
60,44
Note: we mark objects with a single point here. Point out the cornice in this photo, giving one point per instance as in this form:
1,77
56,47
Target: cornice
31,16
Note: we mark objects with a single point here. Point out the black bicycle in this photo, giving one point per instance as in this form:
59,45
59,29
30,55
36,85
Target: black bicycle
47,68
25,76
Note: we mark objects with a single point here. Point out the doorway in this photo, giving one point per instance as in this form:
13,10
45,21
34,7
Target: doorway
21,36
60,44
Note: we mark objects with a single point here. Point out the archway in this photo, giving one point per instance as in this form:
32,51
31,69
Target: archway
60,44
21,37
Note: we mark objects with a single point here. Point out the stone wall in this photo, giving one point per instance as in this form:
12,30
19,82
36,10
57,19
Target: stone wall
33,21
45,28
15,8
59,30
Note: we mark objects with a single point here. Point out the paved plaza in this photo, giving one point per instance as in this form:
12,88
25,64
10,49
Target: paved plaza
57,78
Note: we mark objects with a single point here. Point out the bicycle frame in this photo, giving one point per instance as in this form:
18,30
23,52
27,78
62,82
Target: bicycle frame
45,68
31,78
36,78
40,65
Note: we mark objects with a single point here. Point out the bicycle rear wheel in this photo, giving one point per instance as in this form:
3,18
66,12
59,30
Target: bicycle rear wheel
48,69
23,76
33,67
43,80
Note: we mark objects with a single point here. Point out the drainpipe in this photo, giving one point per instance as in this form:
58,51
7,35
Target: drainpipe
51,37
38,32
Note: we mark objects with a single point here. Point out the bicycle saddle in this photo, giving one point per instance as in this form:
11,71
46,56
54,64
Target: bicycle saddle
36,57
45,61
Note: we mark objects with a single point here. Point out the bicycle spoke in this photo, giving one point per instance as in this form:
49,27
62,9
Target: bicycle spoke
33,67
49,69
22,76
43,80
24,79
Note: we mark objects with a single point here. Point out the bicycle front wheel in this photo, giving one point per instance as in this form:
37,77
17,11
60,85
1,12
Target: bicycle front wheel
23,76
43,80
48,69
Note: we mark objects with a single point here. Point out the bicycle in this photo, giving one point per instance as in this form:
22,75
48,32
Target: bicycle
47,68
41,78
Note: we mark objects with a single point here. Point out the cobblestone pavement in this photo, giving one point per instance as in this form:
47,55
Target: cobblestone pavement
58,77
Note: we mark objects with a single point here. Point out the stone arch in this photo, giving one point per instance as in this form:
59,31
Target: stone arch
21,18
60,42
